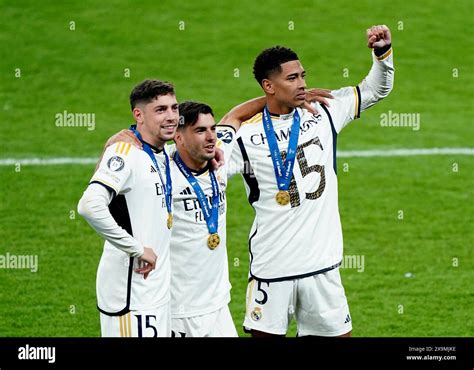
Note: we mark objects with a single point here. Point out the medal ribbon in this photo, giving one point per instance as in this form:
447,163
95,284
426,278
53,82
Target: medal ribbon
283,171
168,185
211,215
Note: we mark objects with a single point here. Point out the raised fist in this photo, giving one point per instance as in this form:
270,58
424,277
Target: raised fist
378,37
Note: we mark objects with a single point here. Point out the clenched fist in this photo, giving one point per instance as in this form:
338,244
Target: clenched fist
378,37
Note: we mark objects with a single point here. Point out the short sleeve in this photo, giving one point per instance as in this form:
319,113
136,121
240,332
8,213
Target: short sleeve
115,169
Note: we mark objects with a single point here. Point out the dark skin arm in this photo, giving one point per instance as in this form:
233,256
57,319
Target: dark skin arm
248,109
234,118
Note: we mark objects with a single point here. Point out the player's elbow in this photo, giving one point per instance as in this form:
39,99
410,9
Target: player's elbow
84,207
230,118
226,118
382,93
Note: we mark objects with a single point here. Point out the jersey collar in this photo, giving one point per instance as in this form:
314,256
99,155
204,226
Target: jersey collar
283,117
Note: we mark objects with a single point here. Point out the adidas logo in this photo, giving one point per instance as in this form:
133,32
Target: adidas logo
348,319
186,191
152,169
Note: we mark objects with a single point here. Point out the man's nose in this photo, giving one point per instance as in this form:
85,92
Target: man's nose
171,115
302,84
210,136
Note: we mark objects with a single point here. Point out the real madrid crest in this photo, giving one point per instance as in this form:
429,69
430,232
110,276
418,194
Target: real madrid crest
256,314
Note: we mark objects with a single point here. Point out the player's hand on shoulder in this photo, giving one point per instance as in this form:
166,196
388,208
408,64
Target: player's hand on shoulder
378,37
147,262
126,136
218,161
317,95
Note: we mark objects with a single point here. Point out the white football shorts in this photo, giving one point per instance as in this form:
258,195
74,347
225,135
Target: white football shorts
317,302
215,324
155,322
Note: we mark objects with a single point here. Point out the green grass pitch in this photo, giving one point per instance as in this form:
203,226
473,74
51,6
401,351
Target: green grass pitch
410,217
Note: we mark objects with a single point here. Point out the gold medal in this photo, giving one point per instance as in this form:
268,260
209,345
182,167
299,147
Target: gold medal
169,221
213,241
282,198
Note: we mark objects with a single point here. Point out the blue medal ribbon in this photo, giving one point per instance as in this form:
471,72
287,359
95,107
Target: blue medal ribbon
211,214
168,185
283,171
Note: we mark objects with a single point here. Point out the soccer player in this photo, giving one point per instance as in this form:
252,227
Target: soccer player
128,203
295,243
200,287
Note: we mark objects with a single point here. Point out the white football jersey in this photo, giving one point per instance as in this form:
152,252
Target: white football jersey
138,207
200,276
304,237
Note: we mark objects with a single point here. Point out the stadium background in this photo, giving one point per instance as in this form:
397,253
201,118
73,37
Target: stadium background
74,56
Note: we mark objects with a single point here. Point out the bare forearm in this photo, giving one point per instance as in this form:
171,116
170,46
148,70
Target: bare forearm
243,112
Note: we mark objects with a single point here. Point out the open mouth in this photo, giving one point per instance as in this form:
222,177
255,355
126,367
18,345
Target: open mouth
169,128
210,148
301,96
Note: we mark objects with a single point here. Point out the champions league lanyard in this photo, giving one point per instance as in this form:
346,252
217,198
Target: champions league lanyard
283,171
168,186
211,215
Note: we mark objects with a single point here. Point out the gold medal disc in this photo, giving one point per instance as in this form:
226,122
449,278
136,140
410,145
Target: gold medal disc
213,241
169,221
282,198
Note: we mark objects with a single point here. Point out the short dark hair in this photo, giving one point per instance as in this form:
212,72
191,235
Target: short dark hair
148,90
189,112
270,61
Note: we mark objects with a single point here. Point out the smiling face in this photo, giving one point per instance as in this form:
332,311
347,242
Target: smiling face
196,143
286,88
157,120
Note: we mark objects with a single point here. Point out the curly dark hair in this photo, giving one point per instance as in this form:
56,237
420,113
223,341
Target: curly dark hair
270,60
148,90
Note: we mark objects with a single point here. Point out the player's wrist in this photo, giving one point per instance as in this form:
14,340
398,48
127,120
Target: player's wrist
138,251
379,52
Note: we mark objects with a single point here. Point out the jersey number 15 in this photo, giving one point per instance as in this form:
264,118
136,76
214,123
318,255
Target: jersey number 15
305,170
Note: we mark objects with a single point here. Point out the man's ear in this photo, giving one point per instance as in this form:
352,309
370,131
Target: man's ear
138,115
267,86
178,137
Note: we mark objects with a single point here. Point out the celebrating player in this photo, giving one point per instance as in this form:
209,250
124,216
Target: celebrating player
295,243
128,203
200,286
